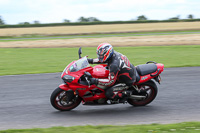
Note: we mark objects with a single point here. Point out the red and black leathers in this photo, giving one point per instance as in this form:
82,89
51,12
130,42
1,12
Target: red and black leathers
121,71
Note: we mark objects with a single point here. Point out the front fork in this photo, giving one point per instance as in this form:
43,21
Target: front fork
71,94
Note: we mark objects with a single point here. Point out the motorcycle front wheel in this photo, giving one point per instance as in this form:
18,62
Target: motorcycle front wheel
60,100
149,89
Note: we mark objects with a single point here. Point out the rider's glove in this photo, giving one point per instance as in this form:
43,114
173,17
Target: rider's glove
90,61
94,81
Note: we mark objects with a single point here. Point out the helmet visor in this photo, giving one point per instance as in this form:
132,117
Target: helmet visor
100,57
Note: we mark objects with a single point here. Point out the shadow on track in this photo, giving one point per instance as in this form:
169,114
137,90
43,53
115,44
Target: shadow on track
119,111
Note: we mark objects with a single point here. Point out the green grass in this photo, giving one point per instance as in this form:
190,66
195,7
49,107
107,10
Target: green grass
48,60
41,37
186,127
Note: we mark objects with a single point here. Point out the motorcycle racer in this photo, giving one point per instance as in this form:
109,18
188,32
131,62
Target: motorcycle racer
116,81
122,73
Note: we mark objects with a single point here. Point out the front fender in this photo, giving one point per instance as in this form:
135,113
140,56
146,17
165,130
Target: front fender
64,87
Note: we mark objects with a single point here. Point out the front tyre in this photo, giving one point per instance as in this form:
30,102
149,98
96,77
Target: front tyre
149,89
60,100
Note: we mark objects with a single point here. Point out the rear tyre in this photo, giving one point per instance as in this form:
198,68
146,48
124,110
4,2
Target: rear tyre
60,100
149,89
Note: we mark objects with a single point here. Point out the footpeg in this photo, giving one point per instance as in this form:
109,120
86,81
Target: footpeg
136,88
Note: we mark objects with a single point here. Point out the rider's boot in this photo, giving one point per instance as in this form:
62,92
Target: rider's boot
125,96
116,98
122,97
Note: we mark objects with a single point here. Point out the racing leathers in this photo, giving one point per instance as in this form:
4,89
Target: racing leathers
121,71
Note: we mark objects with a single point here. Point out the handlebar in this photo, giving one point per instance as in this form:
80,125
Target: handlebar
88,74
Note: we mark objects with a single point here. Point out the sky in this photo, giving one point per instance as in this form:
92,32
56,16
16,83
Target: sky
55,11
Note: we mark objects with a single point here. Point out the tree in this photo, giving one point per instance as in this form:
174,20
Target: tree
1,21
142,17
82,19
190,16
175,18
90,19
36,22
66,21
24,23
93,19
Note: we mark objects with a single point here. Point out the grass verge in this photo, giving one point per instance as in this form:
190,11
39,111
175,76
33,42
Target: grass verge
49,60
43,37
186,127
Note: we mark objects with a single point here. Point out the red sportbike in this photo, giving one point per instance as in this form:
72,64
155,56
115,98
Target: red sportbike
77,87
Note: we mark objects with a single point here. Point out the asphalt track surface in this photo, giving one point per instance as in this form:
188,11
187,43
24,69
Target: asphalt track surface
24,103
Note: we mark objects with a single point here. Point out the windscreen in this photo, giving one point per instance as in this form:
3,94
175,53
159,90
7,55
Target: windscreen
79,64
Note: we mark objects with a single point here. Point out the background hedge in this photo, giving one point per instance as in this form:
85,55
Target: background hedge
94,23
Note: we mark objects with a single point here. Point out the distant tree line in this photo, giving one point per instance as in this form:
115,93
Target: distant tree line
190,16
93,20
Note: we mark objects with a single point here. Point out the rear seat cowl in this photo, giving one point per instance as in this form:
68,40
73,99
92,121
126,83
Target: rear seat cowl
145,69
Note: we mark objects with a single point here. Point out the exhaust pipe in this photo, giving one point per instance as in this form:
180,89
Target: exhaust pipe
137,97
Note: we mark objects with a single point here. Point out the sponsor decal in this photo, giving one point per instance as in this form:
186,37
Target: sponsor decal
143,78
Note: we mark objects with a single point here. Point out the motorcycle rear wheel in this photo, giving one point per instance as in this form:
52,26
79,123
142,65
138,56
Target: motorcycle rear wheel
151,92
59,100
